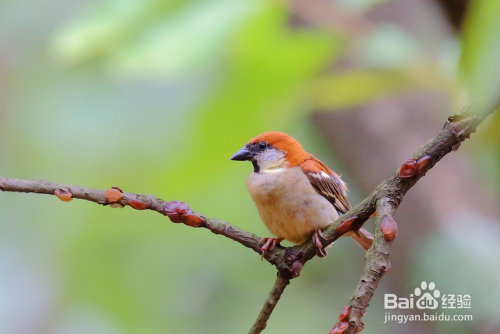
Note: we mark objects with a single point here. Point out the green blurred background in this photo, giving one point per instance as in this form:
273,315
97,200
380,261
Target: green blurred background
154,96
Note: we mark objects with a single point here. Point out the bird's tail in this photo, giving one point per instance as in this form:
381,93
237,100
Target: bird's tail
362,237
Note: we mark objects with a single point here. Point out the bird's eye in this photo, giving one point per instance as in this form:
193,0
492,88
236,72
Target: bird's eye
262,145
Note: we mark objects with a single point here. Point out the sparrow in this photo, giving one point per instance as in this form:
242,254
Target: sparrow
295,193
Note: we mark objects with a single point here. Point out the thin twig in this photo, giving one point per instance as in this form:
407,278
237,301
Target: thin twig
269,305
153,203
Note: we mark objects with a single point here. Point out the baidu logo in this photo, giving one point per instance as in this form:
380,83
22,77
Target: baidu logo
424,297
428,300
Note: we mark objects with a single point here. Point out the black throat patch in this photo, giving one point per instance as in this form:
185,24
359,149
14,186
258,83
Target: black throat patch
256,167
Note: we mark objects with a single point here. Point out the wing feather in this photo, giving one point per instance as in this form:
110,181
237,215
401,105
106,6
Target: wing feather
326,183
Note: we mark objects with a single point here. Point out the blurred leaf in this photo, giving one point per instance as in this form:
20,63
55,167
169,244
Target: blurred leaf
480,63
105,26
358,87
194,37
480,71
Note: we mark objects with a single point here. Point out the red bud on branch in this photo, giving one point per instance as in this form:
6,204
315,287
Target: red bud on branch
138,205
344,315
345,226
63,195
180,212
339,328
409,169
389,228
113,195
424,164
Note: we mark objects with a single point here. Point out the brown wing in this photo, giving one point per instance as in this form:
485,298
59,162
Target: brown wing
327,183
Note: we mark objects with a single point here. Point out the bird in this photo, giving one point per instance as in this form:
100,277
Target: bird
295,193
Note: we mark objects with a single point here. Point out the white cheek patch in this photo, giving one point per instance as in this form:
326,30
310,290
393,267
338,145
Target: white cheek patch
270,155
270,159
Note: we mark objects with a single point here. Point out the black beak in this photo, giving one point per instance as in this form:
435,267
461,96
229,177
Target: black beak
243,155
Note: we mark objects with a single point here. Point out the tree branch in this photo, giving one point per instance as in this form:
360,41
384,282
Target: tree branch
269,305
289,261
377,264
151,202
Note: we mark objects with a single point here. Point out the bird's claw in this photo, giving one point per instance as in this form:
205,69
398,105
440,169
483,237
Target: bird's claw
269,244
317,237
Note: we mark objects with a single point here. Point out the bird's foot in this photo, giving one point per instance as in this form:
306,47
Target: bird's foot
269,243
317,237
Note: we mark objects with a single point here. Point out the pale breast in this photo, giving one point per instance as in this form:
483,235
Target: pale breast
288,204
